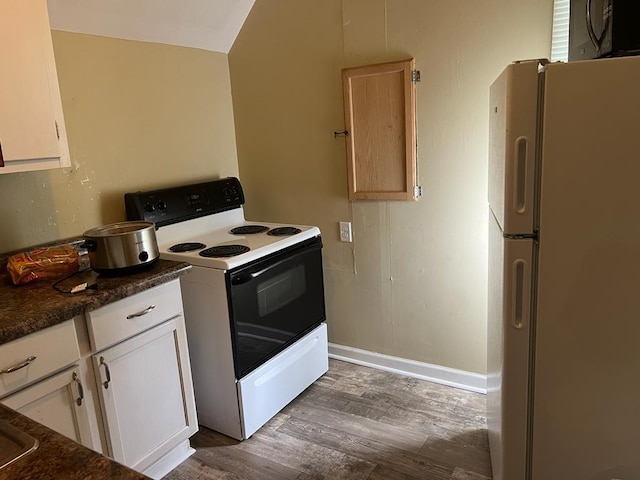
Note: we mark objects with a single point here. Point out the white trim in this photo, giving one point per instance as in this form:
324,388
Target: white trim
171,460
474,382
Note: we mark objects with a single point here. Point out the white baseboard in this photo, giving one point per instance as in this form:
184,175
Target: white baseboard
171,460
474,382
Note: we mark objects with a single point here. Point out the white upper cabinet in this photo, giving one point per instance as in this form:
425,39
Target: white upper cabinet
32,129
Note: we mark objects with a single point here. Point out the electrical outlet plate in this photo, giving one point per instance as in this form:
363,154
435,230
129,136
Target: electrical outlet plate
345,232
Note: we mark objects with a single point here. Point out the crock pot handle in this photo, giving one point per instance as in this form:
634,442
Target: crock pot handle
90,245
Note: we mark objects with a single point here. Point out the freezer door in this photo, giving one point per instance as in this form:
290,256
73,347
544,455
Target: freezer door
509,327
513,128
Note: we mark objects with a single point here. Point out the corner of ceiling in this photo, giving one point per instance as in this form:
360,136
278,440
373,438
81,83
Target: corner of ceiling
207,24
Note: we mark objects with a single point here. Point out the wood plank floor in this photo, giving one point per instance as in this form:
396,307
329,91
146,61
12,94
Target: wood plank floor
356,423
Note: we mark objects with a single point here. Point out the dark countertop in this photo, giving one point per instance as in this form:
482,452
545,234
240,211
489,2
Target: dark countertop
25,309
59,457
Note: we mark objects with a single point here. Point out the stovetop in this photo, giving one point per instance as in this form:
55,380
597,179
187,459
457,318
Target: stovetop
205,214
259,244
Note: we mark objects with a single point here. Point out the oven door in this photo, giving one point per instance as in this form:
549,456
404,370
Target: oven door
273,302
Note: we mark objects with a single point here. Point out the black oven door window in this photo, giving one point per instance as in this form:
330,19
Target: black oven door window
275,301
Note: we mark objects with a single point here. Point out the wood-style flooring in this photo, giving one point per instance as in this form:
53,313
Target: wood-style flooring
355,423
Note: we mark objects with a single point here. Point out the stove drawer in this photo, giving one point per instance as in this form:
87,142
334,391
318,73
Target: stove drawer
266,390
125,318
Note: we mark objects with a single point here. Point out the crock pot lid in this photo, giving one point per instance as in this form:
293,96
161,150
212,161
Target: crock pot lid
119,228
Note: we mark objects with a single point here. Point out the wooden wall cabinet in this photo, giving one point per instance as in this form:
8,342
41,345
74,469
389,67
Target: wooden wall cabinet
379,104
32,128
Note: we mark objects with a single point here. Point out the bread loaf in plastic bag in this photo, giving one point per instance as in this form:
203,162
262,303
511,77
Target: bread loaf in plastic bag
41,263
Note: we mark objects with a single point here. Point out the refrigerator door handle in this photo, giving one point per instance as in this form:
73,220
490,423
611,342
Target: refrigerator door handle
520,171
521,301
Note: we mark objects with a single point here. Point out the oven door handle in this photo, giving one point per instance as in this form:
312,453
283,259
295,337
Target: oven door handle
246,277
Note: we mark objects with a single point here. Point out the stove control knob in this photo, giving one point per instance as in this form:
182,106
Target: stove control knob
149,207
231,194
162,205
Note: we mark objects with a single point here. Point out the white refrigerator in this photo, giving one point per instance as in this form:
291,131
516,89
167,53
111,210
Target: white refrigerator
563,398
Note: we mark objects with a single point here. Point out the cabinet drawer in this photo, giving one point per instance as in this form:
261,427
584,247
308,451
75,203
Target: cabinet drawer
41,353
119,320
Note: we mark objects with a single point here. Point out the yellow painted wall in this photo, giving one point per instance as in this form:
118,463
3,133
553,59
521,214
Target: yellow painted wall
413,282
138,116
141,116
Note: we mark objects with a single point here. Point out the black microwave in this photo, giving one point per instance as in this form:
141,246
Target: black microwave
603,28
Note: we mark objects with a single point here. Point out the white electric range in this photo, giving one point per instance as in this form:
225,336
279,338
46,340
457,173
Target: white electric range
253,301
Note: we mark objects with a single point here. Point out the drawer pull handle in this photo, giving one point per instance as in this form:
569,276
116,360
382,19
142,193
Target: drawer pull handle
143,312
106,372
19,366
80,389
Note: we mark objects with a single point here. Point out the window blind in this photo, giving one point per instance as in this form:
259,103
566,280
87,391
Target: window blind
560,32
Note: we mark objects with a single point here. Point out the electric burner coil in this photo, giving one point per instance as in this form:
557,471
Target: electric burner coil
224,251
248,229
283,231
186,247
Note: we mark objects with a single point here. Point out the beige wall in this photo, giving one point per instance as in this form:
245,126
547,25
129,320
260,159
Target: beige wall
138,116
413,282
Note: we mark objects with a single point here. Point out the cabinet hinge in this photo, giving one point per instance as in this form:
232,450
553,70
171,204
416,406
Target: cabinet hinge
415,76
417,191
57,131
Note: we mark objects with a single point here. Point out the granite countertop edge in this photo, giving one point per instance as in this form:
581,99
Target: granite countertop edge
59,457
26,309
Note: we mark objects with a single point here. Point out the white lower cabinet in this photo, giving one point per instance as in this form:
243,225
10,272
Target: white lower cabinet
145,402
143,379
41,378
58,403
116,379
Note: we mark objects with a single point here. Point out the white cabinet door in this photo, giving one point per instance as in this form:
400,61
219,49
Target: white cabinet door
146,394
58,403
32,129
